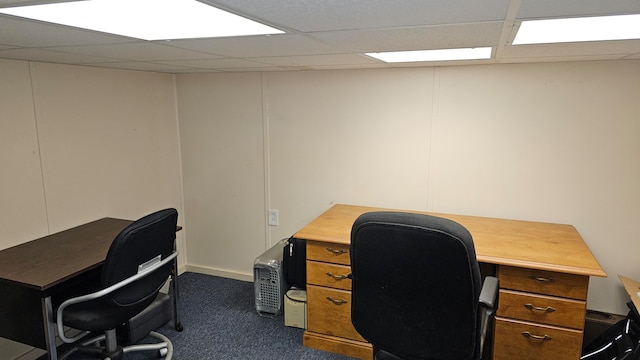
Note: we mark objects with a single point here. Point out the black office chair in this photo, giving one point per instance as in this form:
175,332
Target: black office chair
416,290
137,265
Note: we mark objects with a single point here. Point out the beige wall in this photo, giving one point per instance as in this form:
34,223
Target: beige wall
357,137
221,130
81,143
549,142
78,144
23,212
545,142
108,142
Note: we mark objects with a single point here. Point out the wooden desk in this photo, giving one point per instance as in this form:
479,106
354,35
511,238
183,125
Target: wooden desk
543,269
36,274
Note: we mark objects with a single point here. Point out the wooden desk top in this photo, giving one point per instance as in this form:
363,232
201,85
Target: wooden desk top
633,289
50,260
533,245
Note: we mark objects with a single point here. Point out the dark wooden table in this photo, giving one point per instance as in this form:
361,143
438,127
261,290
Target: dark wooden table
36,275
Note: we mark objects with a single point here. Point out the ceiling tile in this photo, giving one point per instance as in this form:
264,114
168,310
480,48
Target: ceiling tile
226,63
329,15
4,3
318,60
44,55
347,66
147,66
28,33
542,59
415,38
608,49
254,46
139,51
573,8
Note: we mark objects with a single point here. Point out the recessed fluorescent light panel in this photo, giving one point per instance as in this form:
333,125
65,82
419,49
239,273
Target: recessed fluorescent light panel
145,19
598,28
433,55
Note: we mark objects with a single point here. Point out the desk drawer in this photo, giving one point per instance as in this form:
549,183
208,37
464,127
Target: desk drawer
328,252
544,282
329,312
330,275
543,309
527,341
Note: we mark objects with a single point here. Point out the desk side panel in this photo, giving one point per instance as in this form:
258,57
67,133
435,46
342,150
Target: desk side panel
21,314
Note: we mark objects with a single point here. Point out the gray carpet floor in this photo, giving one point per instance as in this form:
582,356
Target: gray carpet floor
220,322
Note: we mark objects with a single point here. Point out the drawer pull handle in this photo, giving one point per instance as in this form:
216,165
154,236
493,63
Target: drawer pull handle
337,277
337,251
537,337
337,301
540,278
547,309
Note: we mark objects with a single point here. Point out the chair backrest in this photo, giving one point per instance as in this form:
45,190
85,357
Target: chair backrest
145,239
416,283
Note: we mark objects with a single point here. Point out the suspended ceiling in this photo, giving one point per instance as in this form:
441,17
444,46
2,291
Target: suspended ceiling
324,34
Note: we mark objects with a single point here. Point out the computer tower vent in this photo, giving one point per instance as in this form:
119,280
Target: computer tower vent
269,282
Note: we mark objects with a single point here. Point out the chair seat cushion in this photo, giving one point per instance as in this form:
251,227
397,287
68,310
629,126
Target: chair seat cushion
101,314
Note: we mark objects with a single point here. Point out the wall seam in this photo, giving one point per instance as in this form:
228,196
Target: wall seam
265,159
35,103
185,256
432,138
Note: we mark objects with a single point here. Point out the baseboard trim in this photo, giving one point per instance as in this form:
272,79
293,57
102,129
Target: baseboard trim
181,269
219,272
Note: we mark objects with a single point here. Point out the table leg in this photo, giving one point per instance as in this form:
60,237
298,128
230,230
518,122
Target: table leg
176,295
49,328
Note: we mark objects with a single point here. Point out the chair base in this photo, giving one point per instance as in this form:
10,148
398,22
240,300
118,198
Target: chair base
164,348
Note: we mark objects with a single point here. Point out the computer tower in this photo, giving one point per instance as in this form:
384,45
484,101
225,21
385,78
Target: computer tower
269,282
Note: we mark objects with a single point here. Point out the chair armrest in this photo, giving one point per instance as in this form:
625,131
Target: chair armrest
487,301
489,292
145,271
